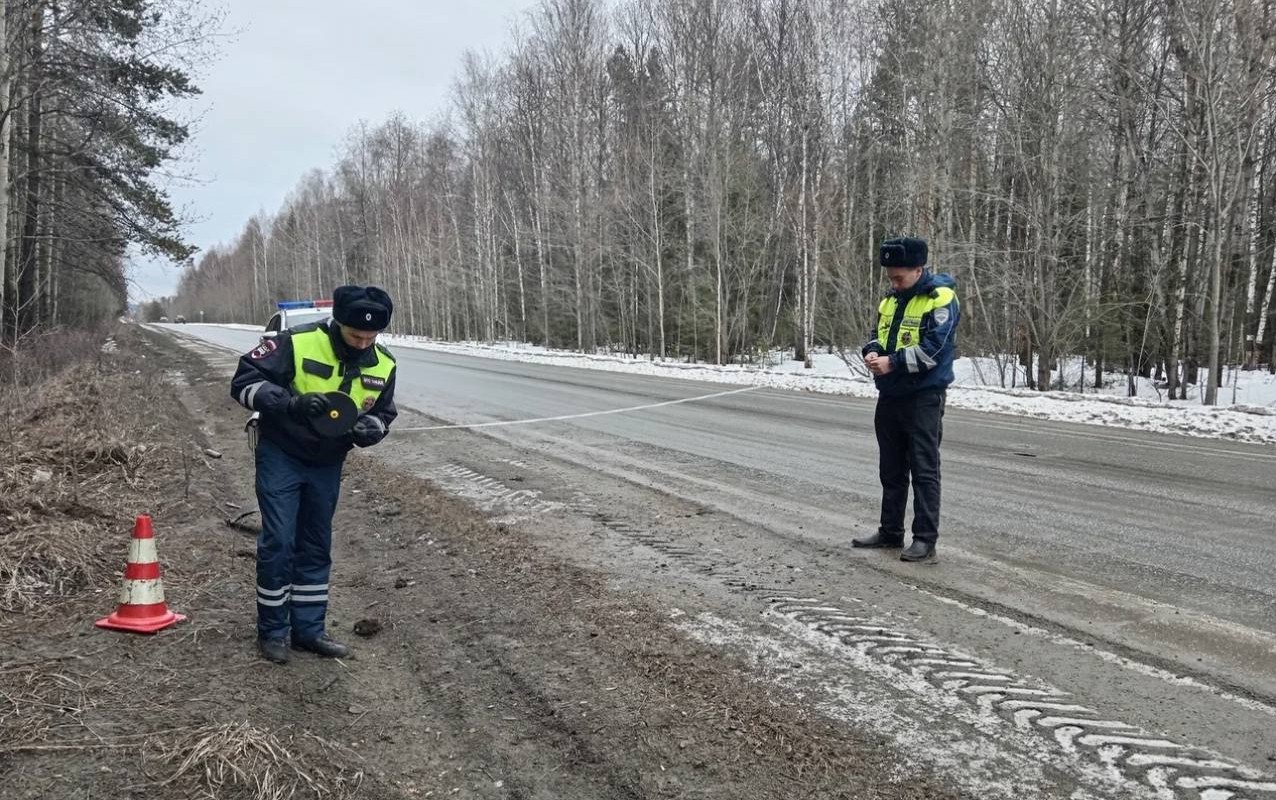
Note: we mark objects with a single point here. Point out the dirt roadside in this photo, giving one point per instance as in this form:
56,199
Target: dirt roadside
498,670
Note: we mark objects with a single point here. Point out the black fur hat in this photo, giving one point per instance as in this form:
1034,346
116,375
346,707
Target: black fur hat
365,308
903,251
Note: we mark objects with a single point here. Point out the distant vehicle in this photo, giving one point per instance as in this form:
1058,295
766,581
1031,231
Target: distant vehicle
295,313
180,318
163,319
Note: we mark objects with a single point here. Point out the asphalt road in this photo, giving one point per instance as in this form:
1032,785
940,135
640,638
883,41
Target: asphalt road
1159,545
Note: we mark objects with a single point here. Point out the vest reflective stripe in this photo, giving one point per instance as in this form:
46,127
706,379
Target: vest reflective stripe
909,333
315,346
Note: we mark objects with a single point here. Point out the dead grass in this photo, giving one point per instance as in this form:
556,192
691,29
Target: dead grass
40,562
38,357
32,701
238,760
75,459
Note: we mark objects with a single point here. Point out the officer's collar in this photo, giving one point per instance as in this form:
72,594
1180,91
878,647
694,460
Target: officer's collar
345,353
921,287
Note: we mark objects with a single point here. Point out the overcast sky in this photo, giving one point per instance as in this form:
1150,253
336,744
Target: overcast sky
292,82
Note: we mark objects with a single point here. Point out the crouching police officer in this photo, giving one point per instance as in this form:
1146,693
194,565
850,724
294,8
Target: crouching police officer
911,358
298,469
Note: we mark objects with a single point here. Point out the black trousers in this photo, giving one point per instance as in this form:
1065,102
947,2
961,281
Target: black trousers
909,430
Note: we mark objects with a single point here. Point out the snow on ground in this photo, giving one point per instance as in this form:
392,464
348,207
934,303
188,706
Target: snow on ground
236,326
1252,419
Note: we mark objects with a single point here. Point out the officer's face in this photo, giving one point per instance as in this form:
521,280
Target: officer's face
902,278
357,339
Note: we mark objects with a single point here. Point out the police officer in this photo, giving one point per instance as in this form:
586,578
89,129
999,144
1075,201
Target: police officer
286,379
911,358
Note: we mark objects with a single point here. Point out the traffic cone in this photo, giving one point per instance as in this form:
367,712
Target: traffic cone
142,608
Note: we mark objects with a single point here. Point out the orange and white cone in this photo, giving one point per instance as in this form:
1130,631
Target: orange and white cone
142,608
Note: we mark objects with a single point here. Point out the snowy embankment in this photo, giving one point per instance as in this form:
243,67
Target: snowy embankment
1254,421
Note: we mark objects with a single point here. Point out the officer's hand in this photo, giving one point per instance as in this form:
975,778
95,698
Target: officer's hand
880,365
367,431
310,404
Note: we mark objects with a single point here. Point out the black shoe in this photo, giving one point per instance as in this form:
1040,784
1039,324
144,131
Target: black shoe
919,551
275,650
323,646
880,539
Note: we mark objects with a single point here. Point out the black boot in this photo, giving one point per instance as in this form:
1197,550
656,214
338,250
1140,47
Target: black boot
919,550
880,539
323,646
275,650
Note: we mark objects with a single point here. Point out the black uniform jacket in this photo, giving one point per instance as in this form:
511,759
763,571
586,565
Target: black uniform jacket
263,380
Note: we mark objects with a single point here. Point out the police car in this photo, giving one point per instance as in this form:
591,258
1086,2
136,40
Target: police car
294,313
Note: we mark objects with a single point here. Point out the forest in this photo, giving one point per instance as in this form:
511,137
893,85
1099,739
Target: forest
710,180
86,138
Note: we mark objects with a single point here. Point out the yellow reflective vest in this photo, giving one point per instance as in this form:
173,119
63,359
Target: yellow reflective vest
317,369
909,332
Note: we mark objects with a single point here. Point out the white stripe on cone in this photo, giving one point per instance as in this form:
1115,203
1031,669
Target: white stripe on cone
142,551
142,592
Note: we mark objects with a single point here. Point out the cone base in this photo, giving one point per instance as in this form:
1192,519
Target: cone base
154,624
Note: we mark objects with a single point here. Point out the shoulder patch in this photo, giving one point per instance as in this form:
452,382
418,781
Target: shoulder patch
941,315
264,349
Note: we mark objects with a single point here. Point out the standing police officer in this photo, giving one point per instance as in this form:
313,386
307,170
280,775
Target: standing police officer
286,379
911,358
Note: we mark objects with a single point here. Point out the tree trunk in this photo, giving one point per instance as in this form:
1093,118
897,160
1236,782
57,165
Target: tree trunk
6,114
658,249
27,300
1212,331
57,244
518,265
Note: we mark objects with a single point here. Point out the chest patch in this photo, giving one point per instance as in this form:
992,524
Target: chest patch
372,382
368,403
312,367
906,338
264,349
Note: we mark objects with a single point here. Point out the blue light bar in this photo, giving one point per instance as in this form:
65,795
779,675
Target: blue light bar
287,305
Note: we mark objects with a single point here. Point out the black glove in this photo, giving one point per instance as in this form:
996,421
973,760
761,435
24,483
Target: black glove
367,431
310,404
